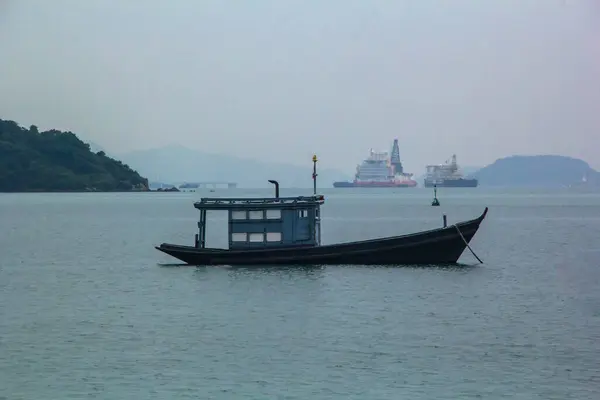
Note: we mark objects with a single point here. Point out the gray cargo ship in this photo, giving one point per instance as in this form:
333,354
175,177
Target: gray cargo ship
447,175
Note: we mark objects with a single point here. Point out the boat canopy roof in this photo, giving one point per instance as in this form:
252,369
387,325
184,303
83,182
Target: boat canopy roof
242,203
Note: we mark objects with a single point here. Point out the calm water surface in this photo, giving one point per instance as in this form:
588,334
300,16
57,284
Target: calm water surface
88,308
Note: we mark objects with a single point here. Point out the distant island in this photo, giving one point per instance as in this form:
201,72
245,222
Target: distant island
55,161
538,171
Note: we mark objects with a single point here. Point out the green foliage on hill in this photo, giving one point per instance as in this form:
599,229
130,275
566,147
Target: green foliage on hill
55,161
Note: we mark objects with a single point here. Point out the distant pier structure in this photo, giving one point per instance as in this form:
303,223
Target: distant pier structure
208,184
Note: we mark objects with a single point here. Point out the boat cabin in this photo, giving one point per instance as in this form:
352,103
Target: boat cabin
256,223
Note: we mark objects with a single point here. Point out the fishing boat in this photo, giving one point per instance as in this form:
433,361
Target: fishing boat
287,231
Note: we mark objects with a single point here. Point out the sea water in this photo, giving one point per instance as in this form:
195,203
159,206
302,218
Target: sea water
89,309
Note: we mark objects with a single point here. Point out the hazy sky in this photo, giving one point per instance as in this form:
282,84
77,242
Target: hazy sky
281,79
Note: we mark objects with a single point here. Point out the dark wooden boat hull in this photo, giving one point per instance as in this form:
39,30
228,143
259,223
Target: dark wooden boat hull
437,246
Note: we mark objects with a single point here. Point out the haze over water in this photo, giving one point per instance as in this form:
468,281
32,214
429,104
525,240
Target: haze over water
89,309
281,80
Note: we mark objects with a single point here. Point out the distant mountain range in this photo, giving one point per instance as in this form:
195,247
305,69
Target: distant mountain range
177,164
537,171
95,147
180,164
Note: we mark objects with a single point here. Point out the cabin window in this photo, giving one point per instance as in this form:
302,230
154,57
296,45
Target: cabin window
273,236
273,214
238,215
257,237
303,213
256,214
239,237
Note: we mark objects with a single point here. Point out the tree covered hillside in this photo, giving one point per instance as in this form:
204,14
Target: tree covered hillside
55,161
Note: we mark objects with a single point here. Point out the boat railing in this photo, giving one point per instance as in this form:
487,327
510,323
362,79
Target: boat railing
224,201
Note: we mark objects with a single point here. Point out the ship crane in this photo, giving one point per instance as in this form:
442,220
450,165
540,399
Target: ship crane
395,158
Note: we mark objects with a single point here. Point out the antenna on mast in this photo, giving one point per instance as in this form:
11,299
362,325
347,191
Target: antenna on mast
314,176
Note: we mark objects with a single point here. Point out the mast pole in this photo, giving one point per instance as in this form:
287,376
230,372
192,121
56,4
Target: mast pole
314,160
203,241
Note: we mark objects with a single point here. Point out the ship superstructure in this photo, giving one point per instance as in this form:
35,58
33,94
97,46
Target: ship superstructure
447,175
380,170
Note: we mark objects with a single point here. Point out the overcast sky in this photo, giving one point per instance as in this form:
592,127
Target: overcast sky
281,79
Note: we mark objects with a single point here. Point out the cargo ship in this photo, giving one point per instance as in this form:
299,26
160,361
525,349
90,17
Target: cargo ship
447,175
380,171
